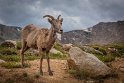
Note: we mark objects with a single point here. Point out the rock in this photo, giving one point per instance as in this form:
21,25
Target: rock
87,62
90,49
2,61
71,64
33,52
54,51
117,58
66,47
9,43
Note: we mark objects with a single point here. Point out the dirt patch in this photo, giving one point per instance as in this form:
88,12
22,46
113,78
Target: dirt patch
31,75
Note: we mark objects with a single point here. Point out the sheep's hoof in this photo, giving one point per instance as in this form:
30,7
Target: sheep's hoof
22,66
50,73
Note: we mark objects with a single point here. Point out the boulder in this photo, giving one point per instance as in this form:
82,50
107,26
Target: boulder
66,47
87,63
54,51
8,43
2,61
33,52
91,50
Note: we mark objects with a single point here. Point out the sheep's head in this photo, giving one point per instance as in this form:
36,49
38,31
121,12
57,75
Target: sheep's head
56,23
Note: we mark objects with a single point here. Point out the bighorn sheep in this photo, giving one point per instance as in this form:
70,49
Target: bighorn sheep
41,39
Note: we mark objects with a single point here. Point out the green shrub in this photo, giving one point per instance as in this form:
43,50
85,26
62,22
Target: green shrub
13,64
10,58
9,65
31,57
16,58
18,45
57,56
100,48
58,47
7,51
78,74
119,50
108,55
105,58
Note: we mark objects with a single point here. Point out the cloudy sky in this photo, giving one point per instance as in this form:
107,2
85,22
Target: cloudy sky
77,14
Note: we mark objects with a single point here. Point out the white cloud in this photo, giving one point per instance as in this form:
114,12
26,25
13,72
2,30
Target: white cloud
77,19
35,7
1,21
77,14
51,12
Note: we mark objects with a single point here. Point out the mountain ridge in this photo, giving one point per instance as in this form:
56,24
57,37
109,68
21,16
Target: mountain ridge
101,34
9,33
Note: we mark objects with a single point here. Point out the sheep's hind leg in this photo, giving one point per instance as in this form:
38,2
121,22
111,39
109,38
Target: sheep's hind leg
41,60
24,48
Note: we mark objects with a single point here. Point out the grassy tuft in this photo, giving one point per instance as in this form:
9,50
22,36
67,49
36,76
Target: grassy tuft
16,58
58,56
18,45
78,74
105,58
7,51
58,47
108,55
10,65
101,49
31,57
10,58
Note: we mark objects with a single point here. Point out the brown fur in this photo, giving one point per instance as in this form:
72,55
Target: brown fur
41,39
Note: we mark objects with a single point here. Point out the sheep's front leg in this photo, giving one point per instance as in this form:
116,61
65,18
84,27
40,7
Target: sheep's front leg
41,60
22,57
48,61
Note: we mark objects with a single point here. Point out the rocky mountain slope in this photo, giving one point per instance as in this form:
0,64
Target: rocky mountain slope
77,37
9,32
102,33
107,33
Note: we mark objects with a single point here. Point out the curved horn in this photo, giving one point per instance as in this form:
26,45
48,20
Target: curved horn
58,17
49,16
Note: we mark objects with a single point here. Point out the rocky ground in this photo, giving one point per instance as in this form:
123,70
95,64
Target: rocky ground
31,75
26,75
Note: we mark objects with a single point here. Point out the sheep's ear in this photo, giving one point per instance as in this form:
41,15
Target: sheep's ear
50,20
61,19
